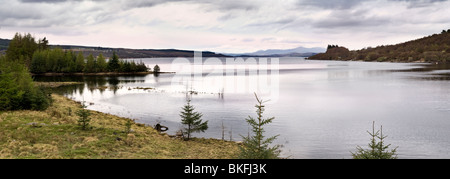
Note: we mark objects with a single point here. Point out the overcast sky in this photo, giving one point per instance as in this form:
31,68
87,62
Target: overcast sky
231,26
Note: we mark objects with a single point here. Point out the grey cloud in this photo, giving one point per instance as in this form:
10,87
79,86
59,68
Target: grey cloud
420,3
48,1
60,1
213,5
68,13
218,4
42,1
350,19
348,4
248,40
356,14
278,22
234,4
269,39
44,13
350,23
13,14
130,4
331,4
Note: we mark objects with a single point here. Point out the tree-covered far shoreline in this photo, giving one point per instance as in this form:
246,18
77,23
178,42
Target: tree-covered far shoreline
39,58
66,61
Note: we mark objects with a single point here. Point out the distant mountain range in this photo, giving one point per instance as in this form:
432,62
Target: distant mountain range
295,52
162,53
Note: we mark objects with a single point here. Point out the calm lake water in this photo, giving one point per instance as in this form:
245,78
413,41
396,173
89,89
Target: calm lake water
322,109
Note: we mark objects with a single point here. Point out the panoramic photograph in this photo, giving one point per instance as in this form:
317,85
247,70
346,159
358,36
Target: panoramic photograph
224,79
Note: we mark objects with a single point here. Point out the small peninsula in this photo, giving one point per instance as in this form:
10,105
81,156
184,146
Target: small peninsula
431,49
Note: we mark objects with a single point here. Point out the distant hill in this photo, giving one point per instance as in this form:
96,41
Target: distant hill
4,44
123,52
433,48
137,53
295,52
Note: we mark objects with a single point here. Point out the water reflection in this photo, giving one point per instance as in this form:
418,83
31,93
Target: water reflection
334,75
324,109
91,83
443,77
424,68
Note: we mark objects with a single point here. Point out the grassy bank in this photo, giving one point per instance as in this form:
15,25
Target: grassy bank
56,84
54,133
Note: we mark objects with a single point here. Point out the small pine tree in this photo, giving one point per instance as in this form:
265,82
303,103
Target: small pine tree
79,63
10,93
192,120
156,69
256,146
90,64
101,64
377,149
84,119
128,125
113,63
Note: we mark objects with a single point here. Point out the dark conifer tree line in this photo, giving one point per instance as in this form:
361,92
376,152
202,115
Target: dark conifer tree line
25,55
60,61
39,58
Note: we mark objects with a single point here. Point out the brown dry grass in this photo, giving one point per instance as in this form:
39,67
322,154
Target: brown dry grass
57,135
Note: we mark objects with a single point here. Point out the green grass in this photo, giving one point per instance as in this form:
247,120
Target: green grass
57,135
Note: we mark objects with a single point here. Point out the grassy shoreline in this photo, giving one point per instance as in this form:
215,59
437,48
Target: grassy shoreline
54,133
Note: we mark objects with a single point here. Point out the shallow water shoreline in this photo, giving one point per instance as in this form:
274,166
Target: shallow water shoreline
100,74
